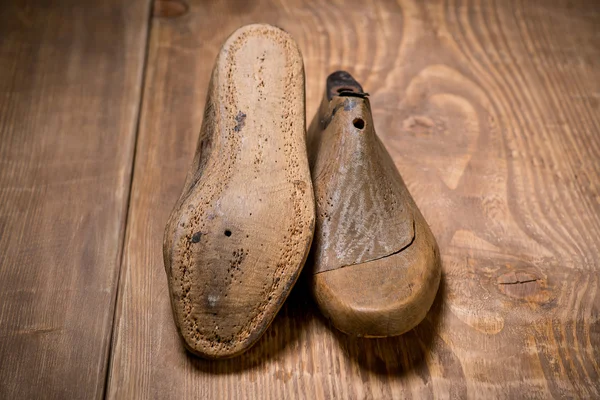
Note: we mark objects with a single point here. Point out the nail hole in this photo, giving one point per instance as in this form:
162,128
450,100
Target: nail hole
227,233
359,123
345,89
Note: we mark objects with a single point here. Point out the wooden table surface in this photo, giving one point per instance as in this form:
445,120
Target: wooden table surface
491,111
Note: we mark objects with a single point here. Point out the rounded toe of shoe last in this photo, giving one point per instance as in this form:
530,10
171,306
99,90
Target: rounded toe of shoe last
384,297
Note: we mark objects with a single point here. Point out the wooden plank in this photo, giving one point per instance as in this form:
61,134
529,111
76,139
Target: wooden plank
70,83
490,111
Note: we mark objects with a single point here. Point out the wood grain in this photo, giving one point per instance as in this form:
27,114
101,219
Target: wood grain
490,111
362,206
70,82
240,233
374,262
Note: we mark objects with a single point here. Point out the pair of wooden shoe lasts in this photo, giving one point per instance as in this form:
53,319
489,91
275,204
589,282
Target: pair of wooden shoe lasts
242,228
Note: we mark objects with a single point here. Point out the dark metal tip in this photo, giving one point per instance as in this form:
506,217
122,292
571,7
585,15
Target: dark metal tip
341,83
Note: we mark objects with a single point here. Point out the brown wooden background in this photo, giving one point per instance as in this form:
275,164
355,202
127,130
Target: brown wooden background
490,109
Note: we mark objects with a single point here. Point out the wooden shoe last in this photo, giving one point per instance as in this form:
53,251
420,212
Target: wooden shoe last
376,263
240,233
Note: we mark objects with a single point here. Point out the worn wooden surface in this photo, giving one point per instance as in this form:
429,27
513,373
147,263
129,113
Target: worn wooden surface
375,268
489,109
70,83
241,230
